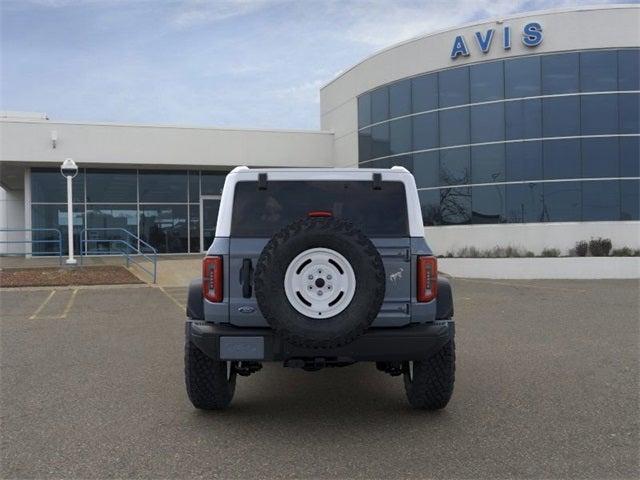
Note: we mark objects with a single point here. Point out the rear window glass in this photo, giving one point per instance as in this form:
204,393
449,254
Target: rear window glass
261,213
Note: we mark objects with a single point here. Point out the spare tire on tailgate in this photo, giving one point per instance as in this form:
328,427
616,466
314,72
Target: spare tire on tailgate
319,282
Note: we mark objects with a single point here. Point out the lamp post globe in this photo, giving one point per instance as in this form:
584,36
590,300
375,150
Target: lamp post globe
69,169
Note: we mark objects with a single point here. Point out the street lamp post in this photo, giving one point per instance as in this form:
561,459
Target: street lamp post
69,170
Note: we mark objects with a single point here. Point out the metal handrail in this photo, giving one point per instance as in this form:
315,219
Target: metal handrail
151,256
32,241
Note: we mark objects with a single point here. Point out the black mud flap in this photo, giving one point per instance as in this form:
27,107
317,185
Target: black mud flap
444,304
195,302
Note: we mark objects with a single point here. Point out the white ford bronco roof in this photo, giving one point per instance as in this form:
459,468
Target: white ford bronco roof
246,174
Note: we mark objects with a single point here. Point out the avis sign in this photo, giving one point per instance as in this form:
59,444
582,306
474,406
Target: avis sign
531,37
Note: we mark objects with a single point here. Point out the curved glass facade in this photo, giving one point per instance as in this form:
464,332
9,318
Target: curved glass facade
545,138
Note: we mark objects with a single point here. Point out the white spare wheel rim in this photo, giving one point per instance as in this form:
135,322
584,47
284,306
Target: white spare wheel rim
319,283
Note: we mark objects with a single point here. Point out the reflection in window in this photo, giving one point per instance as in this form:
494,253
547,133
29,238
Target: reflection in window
488,204
524,203
453,87
599,114
113,218
48,185
562,202
400,135
629,113
194,186
455,205
523,119
487,81
364,145
487,164
629,69
55,216
424,93
425,131
163,186
601,200
194,227
487,123
561,116
523,161
560,73
600,157
379,104
522,77
165,227
426,168
430,206
455,166
364,110
400,99
598,71
630,200
454,127
380,141
630,156
561,159
212,182
112,186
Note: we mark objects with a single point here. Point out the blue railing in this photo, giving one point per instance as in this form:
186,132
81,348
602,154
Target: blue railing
131,247
57,241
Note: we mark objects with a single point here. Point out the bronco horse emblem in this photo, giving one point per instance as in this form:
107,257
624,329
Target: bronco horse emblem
394,277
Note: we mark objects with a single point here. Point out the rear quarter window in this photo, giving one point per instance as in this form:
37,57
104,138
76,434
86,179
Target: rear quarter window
261,213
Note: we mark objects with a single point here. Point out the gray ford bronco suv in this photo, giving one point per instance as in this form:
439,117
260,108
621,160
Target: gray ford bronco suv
319,268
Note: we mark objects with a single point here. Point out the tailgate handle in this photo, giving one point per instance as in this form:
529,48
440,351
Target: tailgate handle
245,277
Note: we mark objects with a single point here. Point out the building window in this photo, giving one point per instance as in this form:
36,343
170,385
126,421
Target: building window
380,105
600,157
487,164
487,123
49,186
425,131
561,116
426,168
598,71
400,135
599,114
523,119
163,186
400,99
524,203
454,127
488,204
165,227
364,110
522,77
453,87
601,200
629,69
562,201
523,161
561,159
560,73
111,186
630,200
424,93
455,206
455,166
487,81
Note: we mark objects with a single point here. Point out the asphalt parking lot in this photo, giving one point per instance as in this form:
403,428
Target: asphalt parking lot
546,387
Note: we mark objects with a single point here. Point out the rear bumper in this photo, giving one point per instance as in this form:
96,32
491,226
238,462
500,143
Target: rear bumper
413,342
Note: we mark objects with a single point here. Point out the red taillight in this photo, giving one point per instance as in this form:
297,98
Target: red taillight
212,278
320,213
427,279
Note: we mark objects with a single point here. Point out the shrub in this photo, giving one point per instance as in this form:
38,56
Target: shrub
600,247
581,248
550,252
625,252
529,253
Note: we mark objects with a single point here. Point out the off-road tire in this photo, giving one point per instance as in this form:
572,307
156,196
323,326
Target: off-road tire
432,384
324,232
208,386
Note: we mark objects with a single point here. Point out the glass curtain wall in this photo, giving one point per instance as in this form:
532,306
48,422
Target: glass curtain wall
162,207
545,138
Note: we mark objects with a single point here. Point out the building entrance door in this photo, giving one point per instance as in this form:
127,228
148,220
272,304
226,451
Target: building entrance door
209,205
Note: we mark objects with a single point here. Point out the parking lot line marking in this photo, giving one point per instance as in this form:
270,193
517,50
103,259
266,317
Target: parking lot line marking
46,300
69,304
181,306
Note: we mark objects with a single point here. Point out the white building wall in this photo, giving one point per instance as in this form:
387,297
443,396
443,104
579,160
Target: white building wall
29,141
11,217
531,236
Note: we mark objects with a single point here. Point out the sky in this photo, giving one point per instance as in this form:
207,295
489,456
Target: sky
227,63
